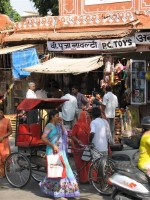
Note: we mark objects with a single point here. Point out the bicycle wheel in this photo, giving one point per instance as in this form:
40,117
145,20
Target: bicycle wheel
17,170
38,173
99,177
38,166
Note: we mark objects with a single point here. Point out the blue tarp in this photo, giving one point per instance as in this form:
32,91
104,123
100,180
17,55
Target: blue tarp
21,59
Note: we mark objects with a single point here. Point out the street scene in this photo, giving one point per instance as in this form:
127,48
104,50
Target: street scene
75,99
32,190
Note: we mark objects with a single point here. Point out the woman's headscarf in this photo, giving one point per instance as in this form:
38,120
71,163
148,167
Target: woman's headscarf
84,121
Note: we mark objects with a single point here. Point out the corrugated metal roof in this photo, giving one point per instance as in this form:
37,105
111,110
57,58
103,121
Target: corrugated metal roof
15,48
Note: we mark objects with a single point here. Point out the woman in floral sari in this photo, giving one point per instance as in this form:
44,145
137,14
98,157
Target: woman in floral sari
5,132
80,135
54,136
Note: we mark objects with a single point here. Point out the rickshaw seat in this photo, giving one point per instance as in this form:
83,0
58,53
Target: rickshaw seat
35,130
23,137
29,135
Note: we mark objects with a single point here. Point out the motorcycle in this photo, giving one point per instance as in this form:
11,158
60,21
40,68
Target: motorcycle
125,157
129,182
121,176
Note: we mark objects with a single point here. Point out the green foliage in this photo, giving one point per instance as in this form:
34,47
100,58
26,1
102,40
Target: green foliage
6,8
44,6
13,15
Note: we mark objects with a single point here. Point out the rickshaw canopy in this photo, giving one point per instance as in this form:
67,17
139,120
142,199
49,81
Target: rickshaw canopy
49,103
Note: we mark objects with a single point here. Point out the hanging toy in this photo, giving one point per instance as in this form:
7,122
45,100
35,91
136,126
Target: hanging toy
108,60
119,67
112,78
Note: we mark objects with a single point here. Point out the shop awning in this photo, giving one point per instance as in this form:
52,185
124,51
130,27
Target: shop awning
62,36
15,48
63,65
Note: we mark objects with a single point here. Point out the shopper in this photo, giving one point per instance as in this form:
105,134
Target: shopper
53,136
100,134
5,132
97,102
81,100
32,116
80,135
31,91
110,103
69,109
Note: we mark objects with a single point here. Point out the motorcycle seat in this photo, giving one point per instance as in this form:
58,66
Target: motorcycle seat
132,172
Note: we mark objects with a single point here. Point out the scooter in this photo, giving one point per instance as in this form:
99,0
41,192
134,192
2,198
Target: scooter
125,157
123,178
129,183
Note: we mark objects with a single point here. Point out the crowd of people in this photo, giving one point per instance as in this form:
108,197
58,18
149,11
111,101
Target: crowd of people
86,129
96,127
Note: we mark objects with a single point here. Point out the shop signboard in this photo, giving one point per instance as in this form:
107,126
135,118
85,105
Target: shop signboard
86,45
73,45
89,2
142,38
112,44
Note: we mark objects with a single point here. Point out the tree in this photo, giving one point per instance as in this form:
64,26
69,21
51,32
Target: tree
44,6
6,8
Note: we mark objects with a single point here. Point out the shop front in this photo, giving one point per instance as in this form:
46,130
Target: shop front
85,30
122,66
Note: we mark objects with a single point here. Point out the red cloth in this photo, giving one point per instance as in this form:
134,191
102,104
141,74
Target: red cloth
81,131
4,145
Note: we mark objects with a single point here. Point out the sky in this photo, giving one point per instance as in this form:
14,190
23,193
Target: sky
22,5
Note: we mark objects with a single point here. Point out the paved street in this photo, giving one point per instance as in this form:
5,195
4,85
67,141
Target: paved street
32,190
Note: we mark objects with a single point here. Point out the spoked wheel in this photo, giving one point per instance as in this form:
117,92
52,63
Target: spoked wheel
38,173
99,177
17,170
38,165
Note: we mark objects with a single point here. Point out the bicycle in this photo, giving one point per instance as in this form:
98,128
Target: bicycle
95,178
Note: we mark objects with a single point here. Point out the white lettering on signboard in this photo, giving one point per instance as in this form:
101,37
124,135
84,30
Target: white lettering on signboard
142,38
92,2
127,42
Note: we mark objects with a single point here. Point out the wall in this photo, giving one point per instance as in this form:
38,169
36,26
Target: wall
78,7
123,12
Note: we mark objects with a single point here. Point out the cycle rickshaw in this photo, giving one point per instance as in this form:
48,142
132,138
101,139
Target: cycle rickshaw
30,160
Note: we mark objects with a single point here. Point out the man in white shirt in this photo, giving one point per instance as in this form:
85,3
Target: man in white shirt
69,109
31,91
110,103
100,134
32,115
